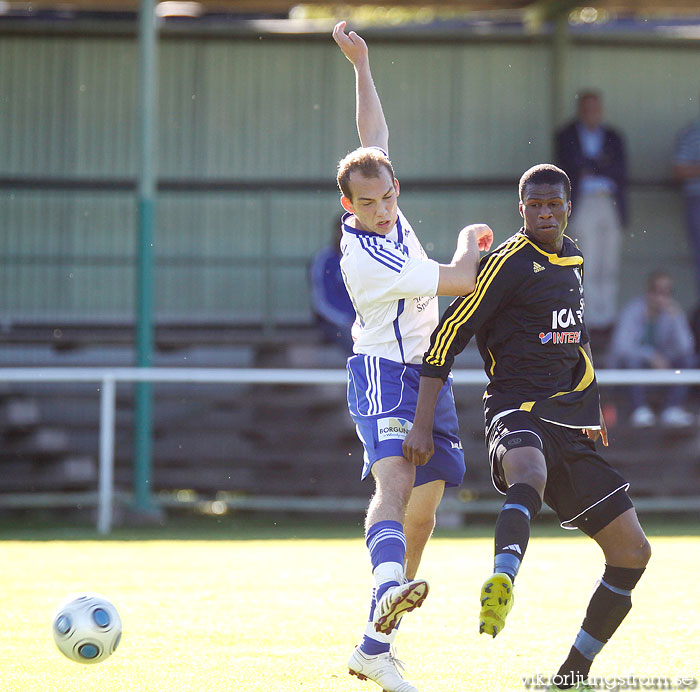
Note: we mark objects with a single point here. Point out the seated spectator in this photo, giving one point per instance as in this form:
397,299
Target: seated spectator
695,328
652,331
686,170
332,308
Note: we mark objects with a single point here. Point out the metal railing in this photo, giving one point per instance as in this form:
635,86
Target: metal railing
109,377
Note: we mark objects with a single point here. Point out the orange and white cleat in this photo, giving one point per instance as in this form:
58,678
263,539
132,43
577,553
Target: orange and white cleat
396,601
384,669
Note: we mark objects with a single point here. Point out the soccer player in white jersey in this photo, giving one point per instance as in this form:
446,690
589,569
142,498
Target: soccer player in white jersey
393,286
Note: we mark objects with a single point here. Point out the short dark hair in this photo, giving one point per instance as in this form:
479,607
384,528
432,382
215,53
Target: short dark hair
588,94
544,173
367,161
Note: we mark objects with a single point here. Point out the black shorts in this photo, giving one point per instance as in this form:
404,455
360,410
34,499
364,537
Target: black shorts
582,488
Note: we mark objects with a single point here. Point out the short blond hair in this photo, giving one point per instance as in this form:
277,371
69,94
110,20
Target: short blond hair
368,161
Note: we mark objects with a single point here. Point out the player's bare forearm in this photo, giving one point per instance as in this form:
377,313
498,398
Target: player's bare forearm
371,123
592,433
418,444
428,392
459,277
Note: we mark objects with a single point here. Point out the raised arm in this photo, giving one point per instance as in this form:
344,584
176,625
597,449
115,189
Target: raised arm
371,125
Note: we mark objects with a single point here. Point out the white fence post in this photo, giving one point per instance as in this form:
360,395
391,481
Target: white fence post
106,464
108,377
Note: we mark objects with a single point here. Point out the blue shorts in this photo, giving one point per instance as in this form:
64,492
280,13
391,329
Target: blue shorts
382,396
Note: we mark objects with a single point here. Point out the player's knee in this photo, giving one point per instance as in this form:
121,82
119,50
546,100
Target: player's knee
525,465
537,478
638,549
421,526
644,552
634,553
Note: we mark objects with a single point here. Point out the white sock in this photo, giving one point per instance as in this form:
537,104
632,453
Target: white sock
386,572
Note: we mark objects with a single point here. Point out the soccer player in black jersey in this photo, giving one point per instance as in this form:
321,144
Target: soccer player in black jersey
542,413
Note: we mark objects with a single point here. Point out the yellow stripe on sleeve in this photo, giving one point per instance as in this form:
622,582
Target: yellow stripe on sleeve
448,331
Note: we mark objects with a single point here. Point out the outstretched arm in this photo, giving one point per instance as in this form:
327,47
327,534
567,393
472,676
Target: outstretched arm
459,277
371,125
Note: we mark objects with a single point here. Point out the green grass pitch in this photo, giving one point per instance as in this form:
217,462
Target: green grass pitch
282,614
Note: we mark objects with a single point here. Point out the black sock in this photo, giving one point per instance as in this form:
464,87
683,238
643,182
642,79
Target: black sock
570,672
608,607
513,527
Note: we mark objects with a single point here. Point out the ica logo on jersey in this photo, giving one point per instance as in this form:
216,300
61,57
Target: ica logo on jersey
566,317
561,319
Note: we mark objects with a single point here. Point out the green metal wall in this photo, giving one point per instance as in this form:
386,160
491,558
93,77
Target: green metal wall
270,109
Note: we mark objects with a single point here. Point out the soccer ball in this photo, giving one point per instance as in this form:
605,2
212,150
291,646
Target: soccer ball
86,627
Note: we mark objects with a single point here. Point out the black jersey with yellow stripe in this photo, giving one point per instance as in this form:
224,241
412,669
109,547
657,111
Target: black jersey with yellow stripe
527,314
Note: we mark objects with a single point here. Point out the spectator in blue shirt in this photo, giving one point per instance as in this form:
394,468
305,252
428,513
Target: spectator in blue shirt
593,155
333,311
686,170
652,331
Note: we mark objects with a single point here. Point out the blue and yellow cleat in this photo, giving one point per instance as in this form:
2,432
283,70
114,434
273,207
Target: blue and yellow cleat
496,602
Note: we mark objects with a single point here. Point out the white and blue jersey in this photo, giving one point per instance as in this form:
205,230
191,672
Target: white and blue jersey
393,286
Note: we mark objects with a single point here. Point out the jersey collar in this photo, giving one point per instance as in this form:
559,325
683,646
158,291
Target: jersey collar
565,261
371,234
